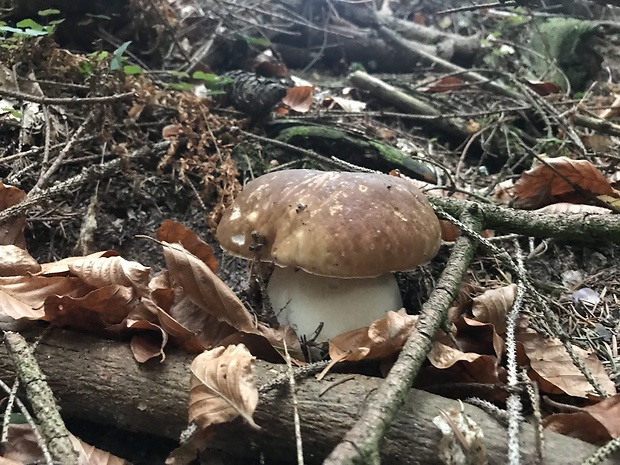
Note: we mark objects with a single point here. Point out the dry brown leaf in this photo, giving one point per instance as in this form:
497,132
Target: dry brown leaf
12,231
222,386
541,185
188,451
22,446
147,345
478,337
61,267
595,424
493,305
381,339
442,356
192,327
202,311
554,370
446,84
543,88
572,208
503,193
99,309
24,296
467,366
598,142
205,289
89,455
15,261
299,98
345,104
107,271
171,231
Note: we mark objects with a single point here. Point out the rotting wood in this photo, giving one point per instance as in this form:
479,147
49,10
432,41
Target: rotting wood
99,380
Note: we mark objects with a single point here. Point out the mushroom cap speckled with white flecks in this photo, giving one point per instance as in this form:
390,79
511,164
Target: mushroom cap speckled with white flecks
346,225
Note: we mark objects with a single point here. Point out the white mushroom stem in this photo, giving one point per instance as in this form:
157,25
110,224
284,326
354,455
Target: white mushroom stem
304,300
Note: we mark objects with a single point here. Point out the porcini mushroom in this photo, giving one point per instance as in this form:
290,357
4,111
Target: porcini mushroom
336,239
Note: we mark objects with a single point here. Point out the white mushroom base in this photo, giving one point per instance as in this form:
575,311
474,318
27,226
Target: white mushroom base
304,300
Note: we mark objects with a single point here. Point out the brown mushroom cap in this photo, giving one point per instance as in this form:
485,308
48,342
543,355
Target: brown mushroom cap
347,225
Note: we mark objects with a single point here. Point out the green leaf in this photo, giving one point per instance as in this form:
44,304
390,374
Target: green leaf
29,24
212,81
258,41
15,113
49,12
132,69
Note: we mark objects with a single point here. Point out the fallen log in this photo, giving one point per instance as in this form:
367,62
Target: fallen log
99,380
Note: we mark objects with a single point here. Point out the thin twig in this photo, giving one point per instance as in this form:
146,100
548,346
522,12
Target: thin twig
513,403
293,391
46,173
64,100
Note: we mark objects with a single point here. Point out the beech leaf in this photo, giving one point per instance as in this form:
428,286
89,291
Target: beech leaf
15,261
171,231
381,339
555,371
222,386
493,305
23,296
538,186
106,271
205,289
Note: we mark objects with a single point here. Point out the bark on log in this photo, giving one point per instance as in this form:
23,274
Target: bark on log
99,380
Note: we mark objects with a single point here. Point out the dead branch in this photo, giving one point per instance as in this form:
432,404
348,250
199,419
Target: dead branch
99,380
574,227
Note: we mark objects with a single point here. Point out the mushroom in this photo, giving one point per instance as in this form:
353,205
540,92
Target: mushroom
336,239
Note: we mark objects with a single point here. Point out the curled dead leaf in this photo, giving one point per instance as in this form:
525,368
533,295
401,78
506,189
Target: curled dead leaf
205,289
493,306
97,310
15,261
171,231
106,271
61,267
222,386
299,98
555,371
381,339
